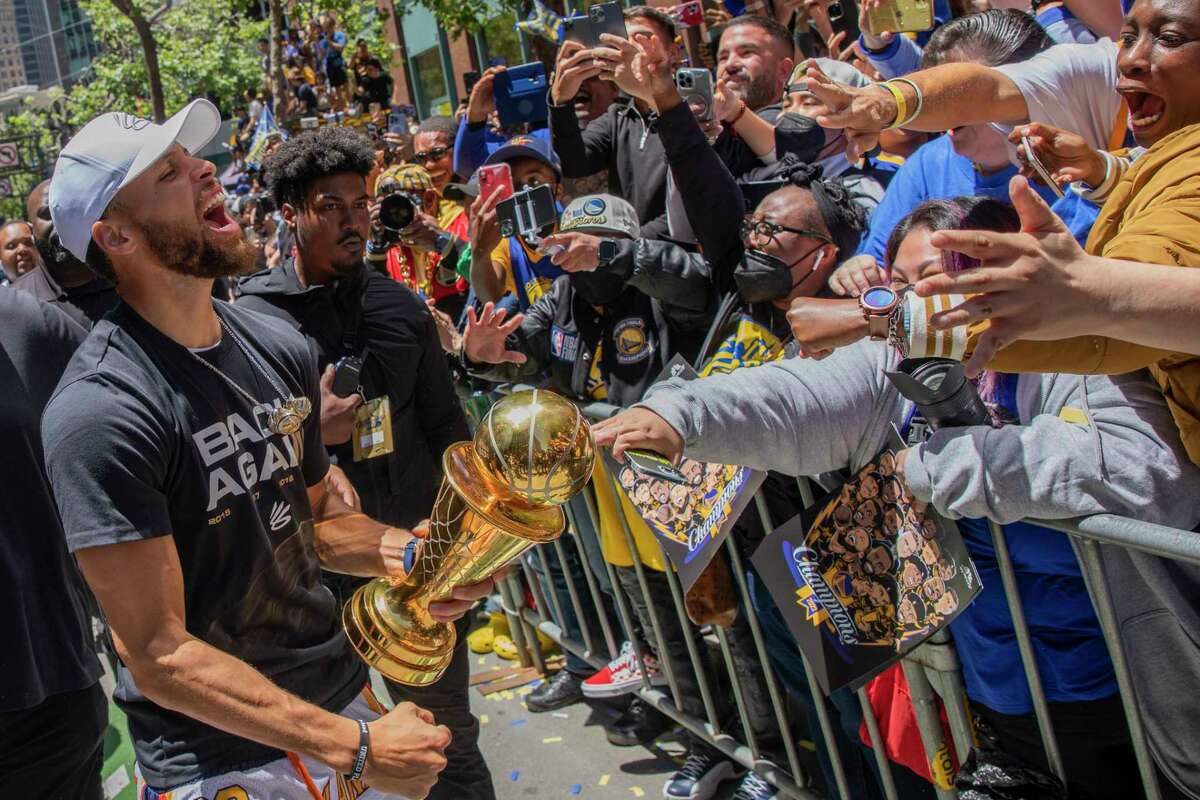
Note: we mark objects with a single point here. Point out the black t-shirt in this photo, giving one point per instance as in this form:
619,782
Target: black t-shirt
44,626
85,304
143,440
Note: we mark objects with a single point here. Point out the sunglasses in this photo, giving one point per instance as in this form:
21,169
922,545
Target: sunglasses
432,154
765,229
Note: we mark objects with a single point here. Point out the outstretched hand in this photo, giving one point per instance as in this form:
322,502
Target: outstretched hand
638,429
1066,156
1027,284
483,341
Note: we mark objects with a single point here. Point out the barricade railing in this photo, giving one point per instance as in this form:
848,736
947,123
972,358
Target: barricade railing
932,670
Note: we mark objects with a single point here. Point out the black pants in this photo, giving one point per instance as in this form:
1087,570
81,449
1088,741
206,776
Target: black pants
1093,739
466,776
54,750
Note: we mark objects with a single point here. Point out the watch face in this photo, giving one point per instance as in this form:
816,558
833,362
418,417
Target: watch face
878,298
607,250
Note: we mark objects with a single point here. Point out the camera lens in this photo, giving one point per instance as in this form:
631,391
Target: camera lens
396,212
940,389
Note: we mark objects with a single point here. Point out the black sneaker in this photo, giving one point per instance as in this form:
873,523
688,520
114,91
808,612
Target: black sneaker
564,689
699,776
754,787
639,724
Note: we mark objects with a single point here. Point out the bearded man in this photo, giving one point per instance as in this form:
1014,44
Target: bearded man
184,449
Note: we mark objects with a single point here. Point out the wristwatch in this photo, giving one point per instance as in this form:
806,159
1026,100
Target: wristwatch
607,252
878,304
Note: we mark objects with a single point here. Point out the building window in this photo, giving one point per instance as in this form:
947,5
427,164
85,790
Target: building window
425,62
503,45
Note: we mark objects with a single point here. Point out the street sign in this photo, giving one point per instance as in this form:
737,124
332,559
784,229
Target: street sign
5,188
9,155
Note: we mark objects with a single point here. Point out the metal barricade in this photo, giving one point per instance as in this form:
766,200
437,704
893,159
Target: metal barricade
932,670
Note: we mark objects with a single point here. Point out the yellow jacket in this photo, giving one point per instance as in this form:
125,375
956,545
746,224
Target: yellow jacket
1153,216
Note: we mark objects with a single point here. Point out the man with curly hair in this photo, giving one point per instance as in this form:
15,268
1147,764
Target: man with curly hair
184,449
348,310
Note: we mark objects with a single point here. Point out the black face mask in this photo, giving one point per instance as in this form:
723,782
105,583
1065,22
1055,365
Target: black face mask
761,277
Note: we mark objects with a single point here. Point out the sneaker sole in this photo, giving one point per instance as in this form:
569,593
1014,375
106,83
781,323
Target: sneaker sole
608,690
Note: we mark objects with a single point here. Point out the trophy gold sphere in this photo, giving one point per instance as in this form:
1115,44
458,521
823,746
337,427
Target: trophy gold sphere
538,446
501,495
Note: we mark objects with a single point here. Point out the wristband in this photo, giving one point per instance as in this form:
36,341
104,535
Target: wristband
920,101
901,105
364,747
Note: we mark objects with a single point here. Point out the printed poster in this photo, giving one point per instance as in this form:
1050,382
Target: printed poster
691,520
866,576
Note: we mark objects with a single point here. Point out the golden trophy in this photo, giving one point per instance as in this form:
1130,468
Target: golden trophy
501,495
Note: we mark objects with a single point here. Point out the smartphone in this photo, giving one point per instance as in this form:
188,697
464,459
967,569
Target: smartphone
527,212
470,78
521,93
495,175
652,465
397,123
346,376
696,89
602,18
902,16
1040,168
309,123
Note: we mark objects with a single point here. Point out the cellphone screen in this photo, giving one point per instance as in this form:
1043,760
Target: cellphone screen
1039,167
654,465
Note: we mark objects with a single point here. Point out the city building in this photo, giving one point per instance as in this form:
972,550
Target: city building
55,40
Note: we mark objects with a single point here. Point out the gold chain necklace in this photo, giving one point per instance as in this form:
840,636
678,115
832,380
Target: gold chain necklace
285,419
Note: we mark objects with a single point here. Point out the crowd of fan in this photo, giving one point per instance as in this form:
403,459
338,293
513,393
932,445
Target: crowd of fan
744,242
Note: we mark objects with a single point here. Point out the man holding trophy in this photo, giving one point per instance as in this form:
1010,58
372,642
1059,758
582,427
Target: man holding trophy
194,491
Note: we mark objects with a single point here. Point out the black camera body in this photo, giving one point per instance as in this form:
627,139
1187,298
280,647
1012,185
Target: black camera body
940,390
398,210
527,212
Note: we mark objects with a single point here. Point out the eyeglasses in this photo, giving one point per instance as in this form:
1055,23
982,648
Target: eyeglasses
532,182
765,229
432,154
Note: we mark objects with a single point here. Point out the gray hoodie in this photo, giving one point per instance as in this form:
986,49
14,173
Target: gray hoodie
804,417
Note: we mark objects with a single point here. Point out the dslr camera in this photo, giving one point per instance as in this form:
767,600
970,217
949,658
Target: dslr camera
398,210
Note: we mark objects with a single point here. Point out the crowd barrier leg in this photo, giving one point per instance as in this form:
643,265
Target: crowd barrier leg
689,640
664,657
1089,559
818,697
929,723
739,697
514,601
593,586
1025,645
886,778
573,593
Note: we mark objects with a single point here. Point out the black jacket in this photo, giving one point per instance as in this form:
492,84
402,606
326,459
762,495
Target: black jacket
403,359
626,144
561,332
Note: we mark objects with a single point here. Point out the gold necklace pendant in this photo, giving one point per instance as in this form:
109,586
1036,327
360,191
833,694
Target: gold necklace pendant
289,417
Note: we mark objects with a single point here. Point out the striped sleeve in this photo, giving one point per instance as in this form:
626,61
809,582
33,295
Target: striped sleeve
924,341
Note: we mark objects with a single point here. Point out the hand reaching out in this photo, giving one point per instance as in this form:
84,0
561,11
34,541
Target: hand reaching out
641,68
483,341
855,276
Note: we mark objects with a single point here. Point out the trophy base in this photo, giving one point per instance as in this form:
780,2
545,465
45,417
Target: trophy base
395,636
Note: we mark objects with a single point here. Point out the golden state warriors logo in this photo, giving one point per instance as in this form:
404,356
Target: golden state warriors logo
524,140
631,341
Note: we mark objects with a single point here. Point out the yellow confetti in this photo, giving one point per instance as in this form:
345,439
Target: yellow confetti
637,791
524,690
603,780
482,660
483,719
507,694
552,740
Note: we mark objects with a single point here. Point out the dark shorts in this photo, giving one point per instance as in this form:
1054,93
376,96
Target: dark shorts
55,749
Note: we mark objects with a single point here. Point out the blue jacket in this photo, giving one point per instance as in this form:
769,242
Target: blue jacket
936,172
472,146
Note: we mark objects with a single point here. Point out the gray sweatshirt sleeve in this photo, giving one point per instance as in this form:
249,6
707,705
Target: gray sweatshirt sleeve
1127,459
796,416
